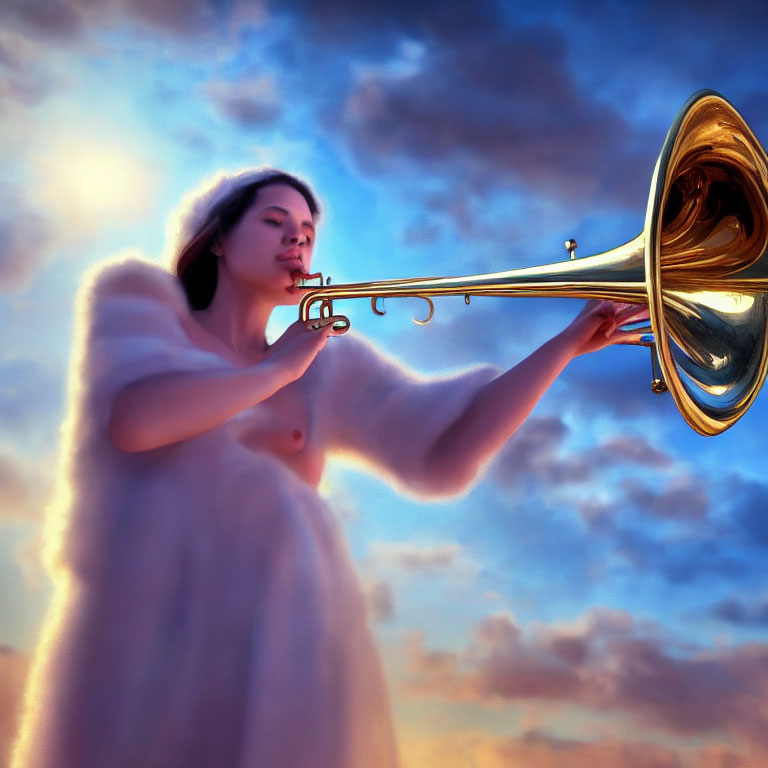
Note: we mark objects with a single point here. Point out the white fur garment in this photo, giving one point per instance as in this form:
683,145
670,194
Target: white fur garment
207,613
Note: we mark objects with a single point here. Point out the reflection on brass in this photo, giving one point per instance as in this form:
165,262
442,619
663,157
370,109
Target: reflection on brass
699,264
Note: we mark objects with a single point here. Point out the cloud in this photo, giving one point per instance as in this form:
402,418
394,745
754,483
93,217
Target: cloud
541,750
26,238
249,102
537,748
736,610
492,115
22,77
408,568
179,17
14,488
683,497
22,490
630,450
683,560
415,557
750,500
380,600
50,18
606,662
536,455
67,20
485,101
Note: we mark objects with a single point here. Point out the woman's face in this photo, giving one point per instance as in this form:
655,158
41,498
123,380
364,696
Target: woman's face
271,243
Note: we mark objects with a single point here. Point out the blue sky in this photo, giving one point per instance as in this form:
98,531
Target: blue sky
600,596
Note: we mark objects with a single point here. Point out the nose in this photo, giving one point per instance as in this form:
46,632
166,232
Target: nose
294,237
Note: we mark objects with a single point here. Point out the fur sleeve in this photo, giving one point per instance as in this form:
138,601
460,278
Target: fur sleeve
130,327
389,417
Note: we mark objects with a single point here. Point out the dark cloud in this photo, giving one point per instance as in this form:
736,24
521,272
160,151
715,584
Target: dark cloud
492,111
49,18
481,100
22,78
176,16
682,560
741,612
682,497
631,450
535,454
347,21
70,19
607,662
748,511
719,529
248,102
692,45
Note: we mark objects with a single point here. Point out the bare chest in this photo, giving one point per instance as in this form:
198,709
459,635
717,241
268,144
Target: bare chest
282,426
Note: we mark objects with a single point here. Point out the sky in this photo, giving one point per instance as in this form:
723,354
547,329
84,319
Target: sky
600,596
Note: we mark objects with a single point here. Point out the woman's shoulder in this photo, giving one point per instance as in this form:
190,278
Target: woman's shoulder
130,323
129,276
127,298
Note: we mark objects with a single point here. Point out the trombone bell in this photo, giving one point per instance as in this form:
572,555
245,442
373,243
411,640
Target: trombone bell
700,265
706,232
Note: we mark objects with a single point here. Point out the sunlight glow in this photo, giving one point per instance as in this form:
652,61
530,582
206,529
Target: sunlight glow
88,183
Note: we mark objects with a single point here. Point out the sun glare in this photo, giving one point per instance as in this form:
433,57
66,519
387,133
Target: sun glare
90,183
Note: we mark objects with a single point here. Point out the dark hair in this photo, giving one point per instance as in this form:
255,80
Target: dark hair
197,267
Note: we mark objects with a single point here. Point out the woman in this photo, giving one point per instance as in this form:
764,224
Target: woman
207,612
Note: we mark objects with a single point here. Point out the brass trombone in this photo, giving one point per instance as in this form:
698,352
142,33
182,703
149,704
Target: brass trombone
700,265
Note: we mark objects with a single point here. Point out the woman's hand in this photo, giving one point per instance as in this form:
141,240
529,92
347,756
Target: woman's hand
599,324
295,350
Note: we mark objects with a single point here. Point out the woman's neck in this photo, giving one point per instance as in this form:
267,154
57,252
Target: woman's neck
238,318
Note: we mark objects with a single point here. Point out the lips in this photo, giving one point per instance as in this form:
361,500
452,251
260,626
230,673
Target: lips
298,276
290,255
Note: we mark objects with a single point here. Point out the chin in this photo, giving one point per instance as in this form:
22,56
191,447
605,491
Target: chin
291,299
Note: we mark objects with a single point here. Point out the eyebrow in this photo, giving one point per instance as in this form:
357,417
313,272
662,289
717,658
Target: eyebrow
286,212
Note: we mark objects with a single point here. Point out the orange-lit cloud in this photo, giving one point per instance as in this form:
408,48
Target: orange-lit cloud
13,674
606,662
539,750
23,489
